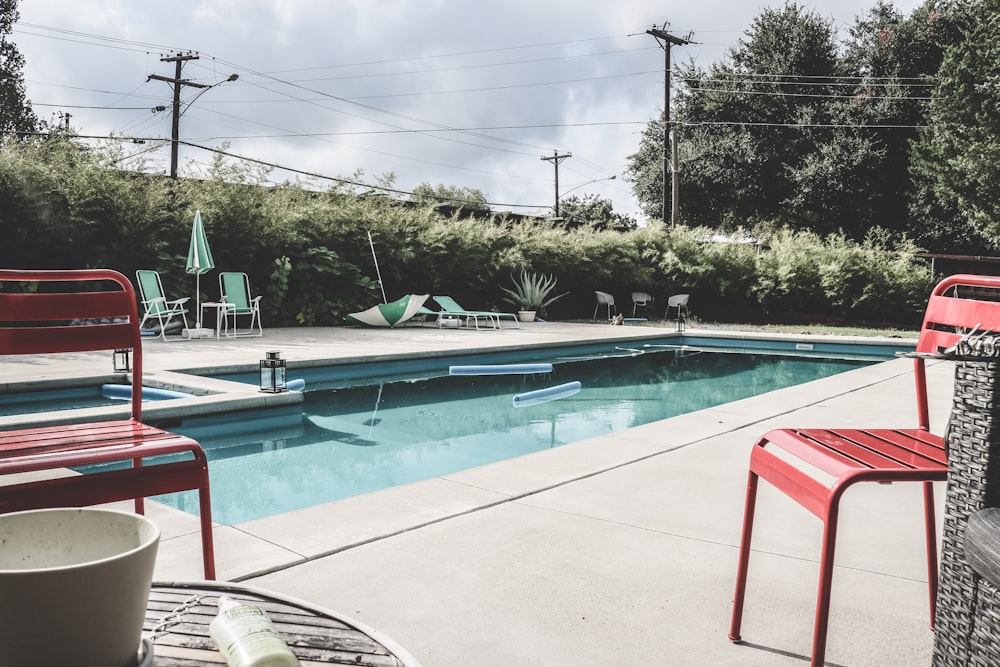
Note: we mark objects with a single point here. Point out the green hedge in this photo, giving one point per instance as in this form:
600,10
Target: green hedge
308,253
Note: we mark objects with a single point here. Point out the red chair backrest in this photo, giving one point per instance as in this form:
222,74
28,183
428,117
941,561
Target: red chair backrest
40,319
958,304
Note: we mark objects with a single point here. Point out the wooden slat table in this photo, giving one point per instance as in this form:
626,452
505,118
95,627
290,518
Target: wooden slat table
178,615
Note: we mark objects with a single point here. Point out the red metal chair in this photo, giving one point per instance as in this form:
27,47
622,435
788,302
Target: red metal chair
957,304
43,321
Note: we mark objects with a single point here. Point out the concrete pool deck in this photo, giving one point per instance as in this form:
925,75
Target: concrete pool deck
618,550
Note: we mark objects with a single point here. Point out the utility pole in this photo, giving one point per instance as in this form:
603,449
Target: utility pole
666,41
556,158
177,83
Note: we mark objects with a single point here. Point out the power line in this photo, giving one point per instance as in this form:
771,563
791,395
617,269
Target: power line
859,79
265,163
803,125
770,93
344,181
145,46
404,131
86,106
436,130
334,97
820,84
438,70
511,87
451,55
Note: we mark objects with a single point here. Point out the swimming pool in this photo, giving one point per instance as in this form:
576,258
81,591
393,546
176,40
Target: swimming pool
349,440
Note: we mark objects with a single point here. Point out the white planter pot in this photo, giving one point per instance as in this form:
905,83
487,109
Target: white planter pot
74,586
526,315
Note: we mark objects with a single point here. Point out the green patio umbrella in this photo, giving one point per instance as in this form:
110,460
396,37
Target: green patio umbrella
390,314
199,260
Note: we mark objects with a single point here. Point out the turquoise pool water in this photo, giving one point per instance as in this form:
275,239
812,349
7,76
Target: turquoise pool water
353,440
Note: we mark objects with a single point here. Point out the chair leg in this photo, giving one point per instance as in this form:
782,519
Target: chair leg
744,558
825,584
207,538
932,552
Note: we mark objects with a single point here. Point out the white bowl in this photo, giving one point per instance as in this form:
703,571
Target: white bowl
74,584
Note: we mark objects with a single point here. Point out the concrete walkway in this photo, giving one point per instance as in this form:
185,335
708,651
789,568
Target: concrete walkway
619,550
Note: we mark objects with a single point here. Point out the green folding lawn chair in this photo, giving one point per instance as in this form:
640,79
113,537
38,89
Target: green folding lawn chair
155,305
235,288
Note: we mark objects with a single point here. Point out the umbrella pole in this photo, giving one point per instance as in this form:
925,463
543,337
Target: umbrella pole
197,298
377,272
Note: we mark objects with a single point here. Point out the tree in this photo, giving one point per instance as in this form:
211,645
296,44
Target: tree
957,158
16,114
794,129
894,61
645,170
595,212
737,152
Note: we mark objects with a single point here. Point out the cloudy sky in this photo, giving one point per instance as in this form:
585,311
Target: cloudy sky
459,92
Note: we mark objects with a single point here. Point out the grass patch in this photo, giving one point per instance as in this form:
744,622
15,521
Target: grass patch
803,329
815,329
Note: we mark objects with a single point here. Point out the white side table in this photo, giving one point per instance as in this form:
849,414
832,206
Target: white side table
221,310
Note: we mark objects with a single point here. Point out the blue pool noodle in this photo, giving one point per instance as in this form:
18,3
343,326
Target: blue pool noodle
501,369
547,394
124,392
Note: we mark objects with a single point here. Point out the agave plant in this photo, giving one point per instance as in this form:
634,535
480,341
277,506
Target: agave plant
532,292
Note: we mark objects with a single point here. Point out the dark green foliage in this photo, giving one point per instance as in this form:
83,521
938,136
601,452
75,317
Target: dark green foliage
957,159
875,281
16,114
318,288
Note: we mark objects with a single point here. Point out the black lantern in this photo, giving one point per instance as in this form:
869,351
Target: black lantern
680,322
123,360
272,373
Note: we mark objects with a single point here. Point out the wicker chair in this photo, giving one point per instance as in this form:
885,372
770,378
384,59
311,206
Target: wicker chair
967,623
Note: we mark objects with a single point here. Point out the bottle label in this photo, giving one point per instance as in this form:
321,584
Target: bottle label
248,636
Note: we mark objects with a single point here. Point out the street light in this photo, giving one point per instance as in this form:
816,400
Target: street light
232,77
577,187
596,180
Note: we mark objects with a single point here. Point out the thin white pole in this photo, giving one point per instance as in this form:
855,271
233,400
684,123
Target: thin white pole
377,272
